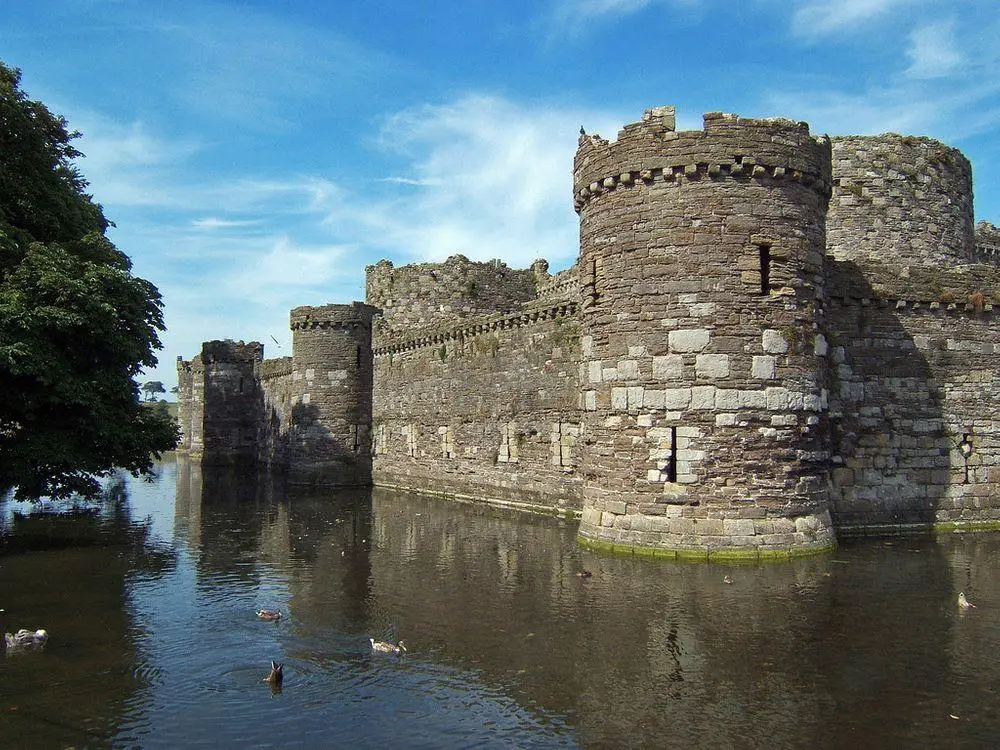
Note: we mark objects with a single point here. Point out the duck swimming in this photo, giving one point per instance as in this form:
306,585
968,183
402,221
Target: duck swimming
387,648
965,603
23,638
269,615
26,638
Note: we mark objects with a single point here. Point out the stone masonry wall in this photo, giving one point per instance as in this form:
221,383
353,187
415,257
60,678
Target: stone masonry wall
329,422
487,410
219,412
704,369
426,295
911,382
987,243
900,199
767,339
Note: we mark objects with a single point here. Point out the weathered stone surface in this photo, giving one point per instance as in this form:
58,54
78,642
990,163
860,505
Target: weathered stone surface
765,338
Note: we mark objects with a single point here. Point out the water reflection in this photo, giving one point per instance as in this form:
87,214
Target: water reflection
508,645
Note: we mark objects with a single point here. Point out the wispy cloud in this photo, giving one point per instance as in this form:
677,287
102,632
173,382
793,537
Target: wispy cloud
933,50
488,179
821,17
576,16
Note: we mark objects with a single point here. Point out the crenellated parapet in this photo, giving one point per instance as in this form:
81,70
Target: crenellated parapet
728,148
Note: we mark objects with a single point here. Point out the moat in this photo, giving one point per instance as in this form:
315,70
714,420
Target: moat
154,642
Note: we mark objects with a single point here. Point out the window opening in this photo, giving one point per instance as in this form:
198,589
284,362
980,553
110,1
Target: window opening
765,268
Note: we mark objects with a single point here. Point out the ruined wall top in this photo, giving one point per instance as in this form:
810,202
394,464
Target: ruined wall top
987,243
727,145
429,294
900,200
232,351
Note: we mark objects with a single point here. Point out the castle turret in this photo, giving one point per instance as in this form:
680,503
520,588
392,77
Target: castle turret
703,380
219,402
330,439
900,201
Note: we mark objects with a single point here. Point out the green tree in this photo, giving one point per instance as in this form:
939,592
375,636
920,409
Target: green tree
76,327
151,388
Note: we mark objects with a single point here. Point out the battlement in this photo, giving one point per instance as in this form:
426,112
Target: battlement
729,147
356,314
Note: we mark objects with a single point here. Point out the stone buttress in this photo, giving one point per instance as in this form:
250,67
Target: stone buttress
703,379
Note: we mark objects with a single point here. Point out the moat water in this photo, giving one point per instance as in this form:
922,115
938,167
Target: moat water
150,605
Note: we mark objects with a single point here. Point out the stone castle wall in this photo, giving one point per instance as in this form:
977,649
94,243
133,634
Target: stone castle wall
702,264
902,198
768,339
489,409
426,295
218,412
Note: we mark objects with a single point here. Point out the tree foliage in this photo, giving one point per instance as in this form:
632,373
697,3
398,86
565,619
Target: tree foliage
76,326
151,388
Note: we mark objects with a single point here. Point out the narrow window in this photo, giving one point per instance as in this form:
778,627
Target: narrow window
241,385
672,463
765,268
358,360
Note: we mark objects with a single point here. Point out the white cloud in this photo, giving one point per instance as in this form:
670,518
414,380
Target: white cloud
828,16
574,16
487,178
933,51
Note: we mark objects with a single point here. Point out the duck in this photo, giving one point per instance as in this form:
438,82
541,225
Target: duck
26,638
23,638
963,602
386,647
269,615
276,675
584,574
727,578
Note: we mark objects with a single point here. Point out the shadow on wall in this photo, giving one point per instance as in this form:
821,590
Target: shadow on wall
889,440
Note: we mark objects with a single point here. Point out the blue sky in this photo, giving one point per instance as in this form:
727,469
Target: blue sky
256,156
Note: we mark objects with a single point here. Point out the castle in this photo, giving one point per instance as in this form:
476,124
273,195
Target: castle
768,340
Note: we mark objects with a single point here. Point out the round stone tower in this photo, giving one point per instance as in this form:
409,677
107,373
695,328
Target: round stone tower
703,380
331,390
900,201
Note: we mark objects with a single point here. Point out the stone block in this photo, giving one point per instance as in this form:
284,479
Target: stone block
773,342
727,399
635,397
628,369
688,340
676,398
777,399
668,366
738,527
619,399
703,397
763,367
712,365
